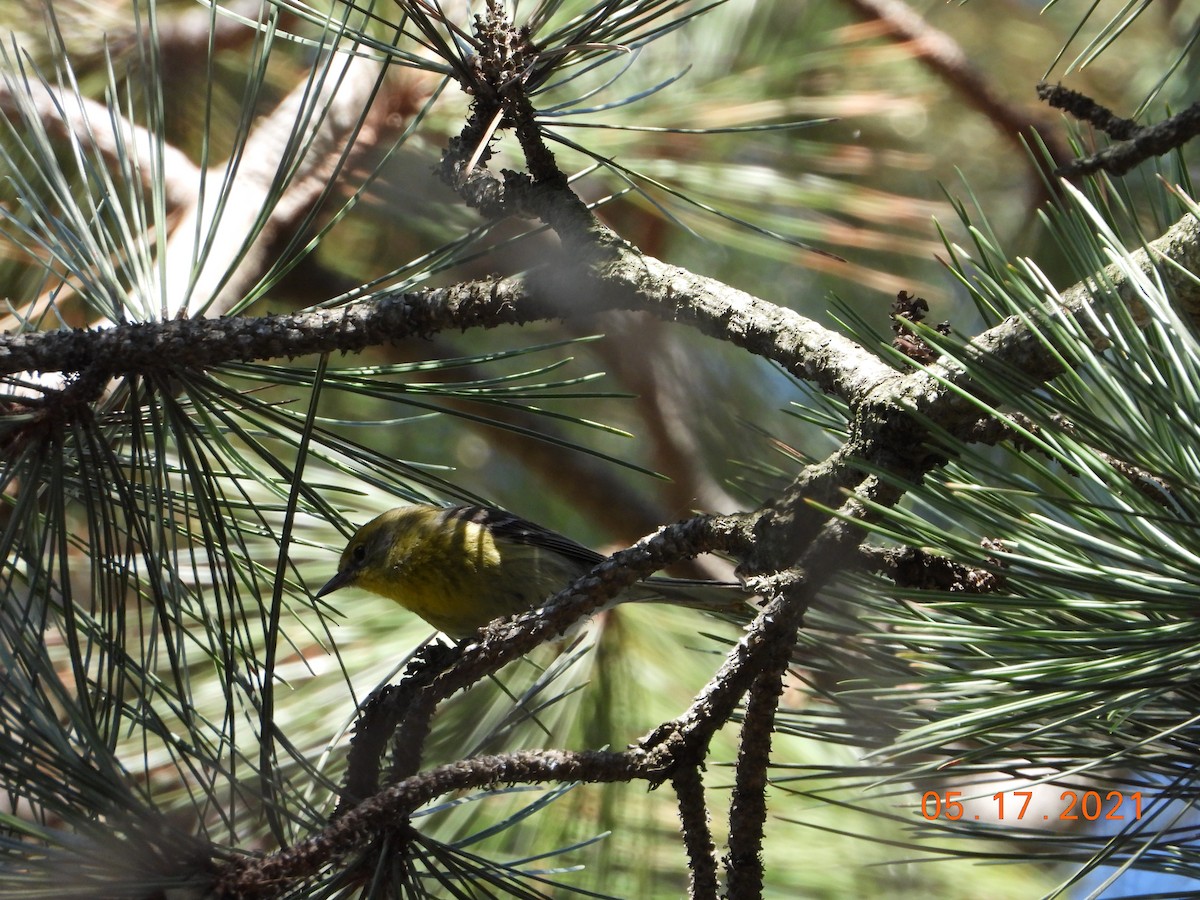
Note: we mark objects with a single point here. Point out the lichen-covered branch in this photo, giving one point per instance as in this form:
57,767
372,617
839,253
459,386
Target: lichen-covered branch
640,283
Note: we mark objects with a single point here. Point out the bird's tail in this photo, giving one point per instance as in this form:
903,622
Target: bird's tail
695,593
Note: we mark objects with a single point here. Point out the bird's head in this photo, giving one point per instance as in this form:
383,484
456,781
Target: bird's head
379,547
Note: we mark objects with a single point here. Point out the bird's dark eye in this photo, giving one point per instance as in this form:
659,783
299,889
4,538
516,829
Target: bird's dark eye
360,553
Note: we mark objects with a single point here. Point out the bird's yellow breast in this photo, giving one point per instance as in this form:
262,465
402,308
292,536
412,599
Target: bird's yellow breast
456,599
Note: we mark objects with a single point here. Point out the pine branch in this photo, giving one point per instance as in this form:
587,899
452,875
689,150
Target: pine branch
697,836
640,284
748,809
280,872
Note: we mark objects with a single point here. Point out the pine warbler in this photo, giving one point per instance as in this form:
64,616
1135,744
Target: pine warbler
459,568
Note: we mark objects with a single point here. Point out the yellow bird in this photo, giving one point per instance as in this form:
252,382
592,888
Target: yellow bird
459,568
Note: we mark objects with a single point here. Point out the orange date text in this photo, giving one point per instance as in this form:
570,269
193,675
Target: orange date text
1013,806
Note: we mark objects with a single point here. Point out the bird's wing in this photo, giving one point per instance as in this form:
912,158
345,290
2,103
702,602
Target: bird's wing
719,596
510,527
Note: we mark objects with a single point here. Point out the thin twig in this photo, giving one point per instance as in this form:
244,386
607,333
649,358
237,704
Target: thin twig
1136,143
1085,109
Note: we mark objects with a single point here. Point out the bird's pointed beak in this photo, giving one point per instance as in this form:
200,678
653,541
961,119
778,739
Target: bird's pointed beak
340,580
